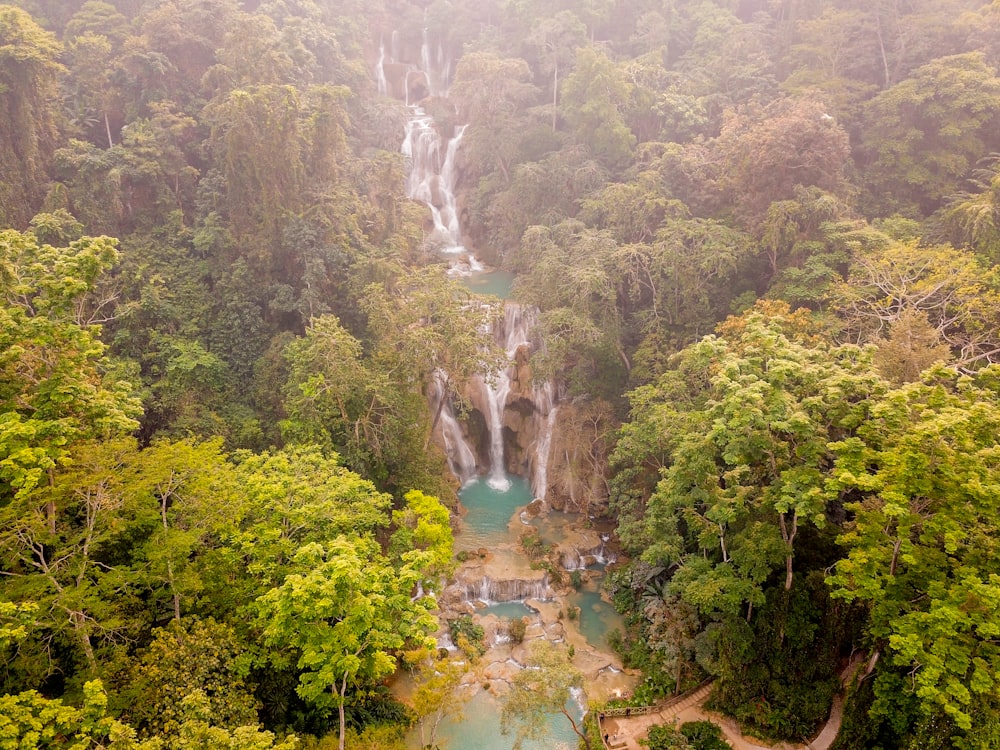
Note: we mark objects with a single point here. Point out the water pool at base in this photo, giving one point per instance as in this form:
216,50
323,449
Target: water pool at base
488,511
481,729
508,610
597,618
495,283
486,524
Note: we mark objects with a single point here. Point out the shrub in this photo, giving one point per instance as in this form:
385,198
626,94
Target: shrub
704,735
666,737
517,628
468,636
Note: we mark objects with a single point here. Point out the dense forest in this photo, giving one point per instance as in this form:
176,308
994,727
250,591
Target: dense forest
763,239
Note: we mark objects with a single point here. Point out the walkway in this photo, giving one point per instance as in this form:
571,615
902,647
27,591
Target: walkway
624,732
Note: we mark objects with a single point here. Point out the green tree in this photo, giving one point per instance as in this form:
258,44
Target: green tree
188,658
972,217
556,40
595,97
924,134
752,463
921,548
438,696
53,390
425,525
344,620
294,497
538,691
184,494
29,75
492,92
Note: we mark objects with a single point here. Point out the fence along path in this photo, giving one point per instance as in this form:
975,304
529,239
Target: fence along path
665,710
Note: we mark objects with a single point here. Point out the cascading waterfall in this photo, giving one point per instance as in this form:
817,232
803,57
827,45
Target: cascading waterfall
432,179
545,403
433,175
512,332
461,460
380,80
489,591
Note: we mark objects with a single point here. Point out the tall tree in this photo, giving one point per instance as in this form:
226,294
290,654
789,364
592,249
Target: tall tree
344,620
53,389
925,133
29,76
595,97
922,550
538,691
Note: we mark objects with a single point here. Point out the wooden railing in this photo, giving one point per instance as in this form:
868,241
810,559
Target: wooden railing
629,711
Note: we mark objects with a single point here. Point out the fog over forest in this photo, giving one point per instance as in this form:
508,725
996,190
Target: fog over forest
368,364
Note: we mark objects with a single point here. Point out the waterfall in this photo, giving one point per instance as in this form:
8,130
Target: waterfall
432,180
489,591
383,86
511,333
461,460
432,158
546,406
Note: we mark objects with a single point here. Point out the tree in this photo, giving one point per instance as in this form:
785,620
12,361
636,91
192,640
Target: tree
921,548
769,152
556,40
752,462
29,73
437,696
958,296
183,494
666,737
924,134
595,96
344,620
972,217
188,660
491,92
538,691
53,390
425,525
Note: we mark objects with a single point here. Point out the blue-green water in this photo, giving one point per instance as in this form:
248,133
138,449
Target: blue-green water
481,729
488,511
510,610
486,524
597,618
495,283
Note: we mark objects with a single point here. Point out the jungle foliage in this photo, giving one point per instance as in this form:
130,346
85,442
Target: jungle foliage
763,238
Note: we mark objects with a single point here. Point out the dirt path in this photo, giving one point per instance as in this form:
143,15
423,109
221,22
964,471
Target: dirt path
624,733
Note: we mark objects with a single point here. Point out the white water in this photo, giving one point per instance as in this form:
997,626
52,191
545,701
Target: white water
546,406
383,86
461,459
512,333
433,178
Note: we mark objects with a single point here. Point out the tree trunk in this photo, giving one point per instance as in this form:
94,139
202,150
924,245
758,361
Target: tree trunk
555,93
789,538
340,708
872,661
79,627
170,565
107,127
437,412
582,735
